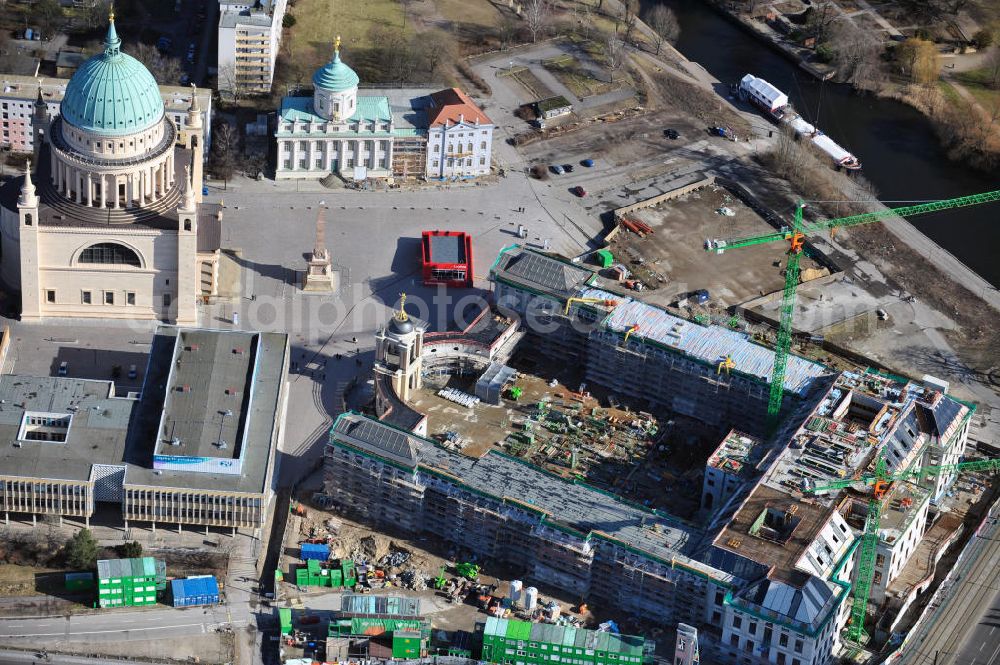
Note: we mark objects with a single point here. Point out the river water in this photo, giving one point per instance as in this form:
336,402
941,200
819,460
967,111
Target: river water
899,151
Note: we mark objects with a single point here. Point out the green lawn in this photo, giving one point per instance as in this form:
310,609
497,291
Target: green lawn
309,43
980,83
950,94
581,83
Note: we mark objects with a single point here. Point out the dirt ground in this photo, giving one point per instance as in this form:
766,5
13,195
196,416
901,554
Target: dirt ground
427,556
673,260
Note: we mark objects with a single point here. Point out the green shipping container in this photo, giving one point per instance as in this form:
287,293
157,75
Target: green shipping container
285,617
336,579
347,566
406,644
302,577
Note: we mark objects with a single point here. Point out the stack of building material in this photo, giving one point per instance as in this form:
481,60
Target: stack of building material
458,397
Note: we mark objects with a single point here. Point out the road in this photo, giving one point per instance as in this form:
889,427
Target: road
125,625
964,628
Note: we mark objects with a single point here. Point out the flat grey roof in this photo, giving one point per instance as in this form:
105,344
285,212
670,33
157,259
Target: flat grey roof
19,64
208,389
447,249
231,19
272,363
407,105
122,431
578,506
97,433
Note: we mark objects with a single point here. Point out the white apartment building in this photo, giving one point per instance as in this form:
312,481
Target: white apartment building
249,36
459,137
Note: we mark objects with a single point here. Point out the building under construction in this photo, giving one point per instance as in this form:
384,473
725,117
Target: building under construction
707,372
767,576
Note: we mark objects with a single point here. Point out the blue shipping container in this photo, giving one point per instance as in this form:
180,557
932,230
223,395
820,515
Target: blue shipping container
317,551
200,590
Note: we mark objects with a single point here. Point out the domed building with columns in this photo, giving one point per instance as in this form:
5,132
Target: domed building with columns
110,224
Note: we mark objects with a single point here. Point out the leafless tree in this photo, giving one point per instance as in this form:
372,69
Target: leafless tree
992,67
629,17
225,148
820,21
230,82
166,70
390,53
787,156
918,59
96,13
857,55
664,23
537,14
614,54
506,32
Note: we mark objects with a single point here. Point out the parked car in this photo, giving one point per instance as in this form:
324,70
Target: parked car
568,168
557,169
579,191
587,162
672,134
698,297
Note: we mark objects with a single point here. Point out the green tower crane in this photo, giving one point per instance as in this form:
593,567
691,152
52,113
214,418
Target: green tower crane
796,237
880,482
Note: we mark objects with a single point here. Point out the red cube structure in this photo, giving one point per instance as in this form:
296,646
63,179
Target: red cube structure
446,258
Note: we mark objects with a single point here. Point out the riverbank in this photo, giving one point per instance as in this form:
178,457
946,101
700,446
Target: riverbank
967,136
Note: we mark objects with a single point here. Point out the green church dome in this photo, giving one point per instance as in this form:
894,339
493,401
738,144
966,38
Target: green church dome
335,76
112,93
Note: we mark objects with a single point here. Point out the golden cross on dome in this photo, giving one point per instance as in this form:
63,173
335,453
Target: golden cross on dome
336,44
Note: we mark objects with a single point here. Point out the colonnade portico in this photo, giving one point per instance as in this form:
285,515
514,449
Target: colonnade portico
336,154
144,183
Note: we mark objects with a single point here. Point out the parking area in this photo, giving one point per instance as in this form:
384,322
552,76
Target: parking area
116,352
188,33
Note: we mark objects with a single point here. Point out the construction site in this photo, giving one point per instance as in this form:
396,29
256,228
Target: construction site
617,449
660,241
575,430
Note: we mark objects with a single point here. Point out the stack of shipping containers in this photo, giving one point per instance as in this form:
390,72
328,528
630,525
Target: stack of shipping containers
520,642
130,582
197,590
315,574
407,644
